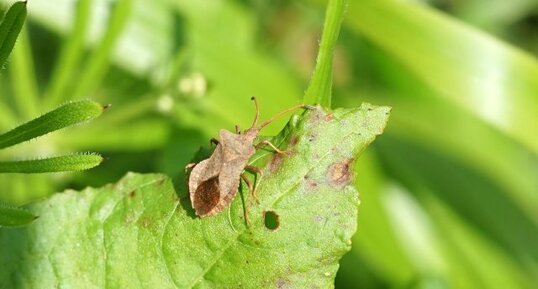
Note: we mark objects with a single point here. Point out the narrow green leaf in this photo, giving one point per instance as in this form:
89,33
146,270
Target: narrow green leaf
63,116
472,255
424,169
319,90
12,216
97,63
10,27
76,162
478,73
137,232
72,51
23,77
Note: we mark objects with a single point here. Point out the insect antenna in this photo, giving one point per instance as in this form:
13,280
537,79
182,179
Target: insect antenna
268,121
257,111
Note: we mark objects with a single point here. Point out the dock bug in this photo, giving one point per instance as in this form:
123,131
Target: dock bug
213,182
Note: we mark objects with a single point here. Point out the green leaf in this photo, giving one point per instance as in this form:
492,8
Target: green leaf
319,90
12,216
10,27
66,115
135,234
77,162
492,80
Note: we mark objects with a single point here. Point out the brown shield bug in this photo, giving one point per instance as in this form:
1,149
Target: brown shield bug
213,182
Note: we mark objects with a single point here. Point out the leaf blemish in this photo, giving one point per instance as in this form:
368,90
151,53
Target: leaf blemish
309,184
282,283
339,173
276,162
294,140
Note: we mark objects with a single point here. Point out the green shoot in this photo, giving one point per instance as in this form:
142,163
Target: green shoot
319,90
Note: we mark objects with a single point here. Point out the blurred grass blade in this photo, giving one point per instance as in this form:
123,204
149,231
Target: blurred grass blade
64,116
232,81
23,77
492,80
319,90
470,255
478,199
7,117
376,241
69,60
12,216
97,63
473,142
9,29
76,162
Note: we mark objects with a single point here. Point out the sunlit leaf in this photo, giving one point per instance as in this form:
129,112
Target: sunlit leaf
136,233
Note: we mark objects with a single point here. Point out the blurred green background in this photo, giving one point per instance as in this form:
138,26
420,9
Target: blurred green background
449,192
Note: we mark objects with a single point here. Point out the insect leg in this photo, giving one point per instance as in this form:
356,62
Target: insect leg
251,187
245,207
267,143
247,181
256,172
214,141
237,129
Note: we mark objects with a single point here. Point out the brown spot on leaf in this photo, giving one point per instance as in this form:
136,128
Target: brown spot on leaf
329,117
282,283
340,173
294,140
145,222
316,116
132,194
276,162
310,184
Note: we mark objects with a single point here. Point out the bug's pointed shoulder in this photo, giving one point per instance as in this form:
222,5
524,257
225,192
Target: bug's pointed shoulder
226,134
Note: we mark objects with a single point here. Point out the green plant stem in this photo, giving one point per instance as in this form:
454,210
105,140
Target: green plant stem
23,77
64,116
71,54
55,164
98,61
319,90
